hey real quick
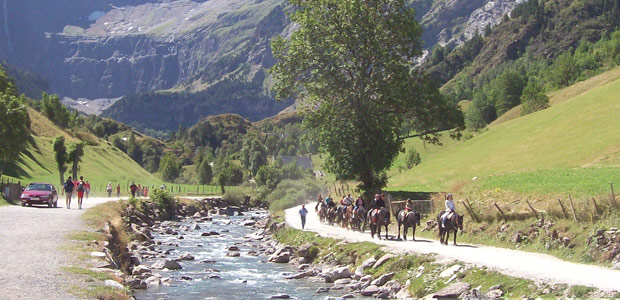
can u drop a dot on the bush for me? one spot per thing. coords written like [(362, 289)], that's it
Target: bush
[(163, 200), (233, 197)]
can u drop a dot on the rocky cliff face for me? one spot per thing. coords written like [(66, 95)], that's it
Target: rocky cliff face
[(209, 56)]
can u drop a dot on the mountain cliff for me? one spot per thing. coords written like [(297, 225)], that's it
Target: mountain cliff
[(192, 58)]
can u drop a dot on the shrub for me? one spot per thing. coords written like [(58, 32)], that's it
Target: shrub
[(233, 197), (163, 200)]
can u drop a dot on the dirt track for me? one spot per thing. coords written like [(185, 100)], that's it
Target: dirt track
[(30, 249), (528, 265)]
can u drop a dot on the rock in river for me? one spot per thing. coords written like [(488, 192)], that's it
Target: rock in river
[(167, 264)]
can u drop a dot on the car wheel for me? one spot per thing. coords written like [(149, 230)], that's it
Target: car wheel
[(29, 204), (49, 204), (23, 203)]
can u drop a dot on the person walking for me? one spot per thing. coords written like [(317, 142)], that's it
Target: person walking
[(303, 212), (118, 190), (68, 190), (87, 189), (108, 188), (145, 191), (81, 188), (133, 188)]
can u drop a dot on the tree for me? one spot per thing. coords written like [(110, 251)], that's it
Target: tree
[(54, 110), (534, 97), (134, 150), (413, 158), (60, 153), (205, 172), (76, 151), (169, 167), (506, 90), (355, 58), (14, 129)]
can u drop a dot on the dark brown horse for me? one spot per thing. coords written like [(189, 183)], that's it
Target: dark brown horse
[(323, 213), (347, 214), (378, 219), (407, 219), (454, 223), (359, 219), (332, 214)]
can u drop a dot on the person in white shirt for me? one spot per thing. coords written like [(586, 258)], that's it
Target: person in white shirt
[(449, 209)]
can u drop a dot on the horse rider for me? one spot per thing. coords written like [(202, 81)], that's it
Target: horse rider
[(358, 203), (329, 202), (449, 210), (409, 205), (319, 201), (378, 203)]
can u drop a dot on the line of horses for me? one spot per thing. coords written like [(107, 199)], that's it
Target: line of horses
[(358, 219)]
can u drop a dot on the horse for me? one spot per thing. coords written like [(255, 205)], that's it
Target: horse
[(454, 223), (358, 220), (323, 213), (346, 216), (408, 219), (332, 213), (378, 219)]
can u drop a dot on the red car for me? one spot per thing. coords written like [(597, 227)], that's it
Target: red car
[(40, 193)]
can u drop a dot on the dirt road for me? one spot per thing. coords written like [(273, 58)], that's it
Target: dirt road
[(528, 265), (30, 249)]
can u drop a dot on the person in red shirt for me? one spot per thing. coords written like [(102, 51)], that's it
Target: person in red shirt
[(81, 188), (145, 192), (87, 188)]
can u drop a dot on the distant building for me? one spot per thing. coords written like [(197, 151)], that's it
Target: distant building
[(301, 161)]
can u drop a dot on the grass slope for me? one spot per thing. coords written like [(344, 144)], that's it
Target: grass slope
[(571, 147), (101, 163)]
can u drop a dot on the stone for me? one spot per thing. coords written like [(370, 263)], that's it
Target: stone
[(214, 233), (205, 234), (249, 223), (339, 273), (187, 278), (298, 261), (233, 254), (97, 254), (382, 295), (382, 260), (615, 263), (474, 294), (450, 271), (233, 248), (366, 278), (566, 241), (152, 281), (382, 279), (348, 296), (166, 264), (342, 281), (368, 263), (303, 267), (495, 287), (452, 291), (113, 284), (140, 269), (517, 237), (370, 290), (280, 296), (304, 250), (208, 261), (495, 294), (280, 257), (392, 286), (186, 256), (300, 275), (195, 227), (322, 290)]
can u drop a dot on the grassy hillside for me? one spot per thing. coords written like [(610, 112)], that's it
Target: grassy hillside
[(571, 147), (101, 163)]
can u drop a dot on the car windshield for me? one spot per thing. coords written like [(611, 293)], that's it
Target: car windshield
[(39, 187)]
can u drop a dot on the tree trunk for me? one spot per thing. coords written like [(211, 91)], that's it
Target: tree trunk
[(62, 177), (75, 168)]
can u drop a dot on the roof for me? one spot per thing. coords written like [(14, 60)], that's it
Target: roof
[(301, 161)]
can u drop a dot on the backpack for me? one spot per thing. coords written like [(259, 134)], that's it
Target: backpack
[(80, 187)]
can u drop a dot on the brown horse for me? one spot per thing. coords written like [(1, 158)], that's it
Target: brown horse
[(359, 219), (332, 214), (323, 213), (346, 218), (454, 223), (377, 219), (408, 219)]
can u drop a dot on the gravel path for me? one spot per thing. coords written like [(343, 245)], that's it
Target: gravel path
[(30, 249), (528, 265)]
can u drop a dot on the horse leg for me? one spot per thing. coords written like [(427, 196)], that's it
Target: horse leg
[(386, 231), (398, 238), (455, 231), (413, 233), (404, 232)]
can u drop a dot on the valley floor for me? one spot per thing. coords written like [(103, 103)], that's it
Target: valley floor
[(528, 265)]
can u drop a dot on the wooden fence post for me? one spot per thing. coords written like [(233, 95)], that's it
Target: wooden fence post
[(572, 207), (500, 211), (532, 208), (472, 210), (596, 211), (563, 209)]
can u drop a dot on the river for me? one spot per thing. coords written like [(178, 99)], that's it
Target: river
[(244, 277)]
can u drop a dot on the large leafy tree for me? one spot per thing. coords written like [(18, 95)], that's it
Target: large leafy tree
[(76, 151), (350, 63), (14, 129)]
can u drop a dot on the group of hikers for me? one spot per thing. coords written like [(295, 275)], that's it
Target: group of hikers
[(352, 212), (79, 187)]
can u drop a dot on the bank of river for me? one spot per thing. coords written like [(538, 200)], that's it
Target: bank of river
[(213, 273)]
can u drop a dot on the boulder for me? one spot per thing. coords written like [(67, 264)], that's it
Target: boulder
[(300, 275), (282, 255), (452, 291), (136, 284), (280, 296), (113, 284), (450, 271), (322, 290), (140, 269), (382, 260), (392, 286), (152, 281), (166, 264), (205, 234), (368, 263), (382, 279), (339, 273), (299, 261), (233, 248), (382, 295), (249, 223), (186, 256), (342, 281), (495, 294), (517, 237), (370, 290), (233, 254), (195, 227), (474, 294)]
